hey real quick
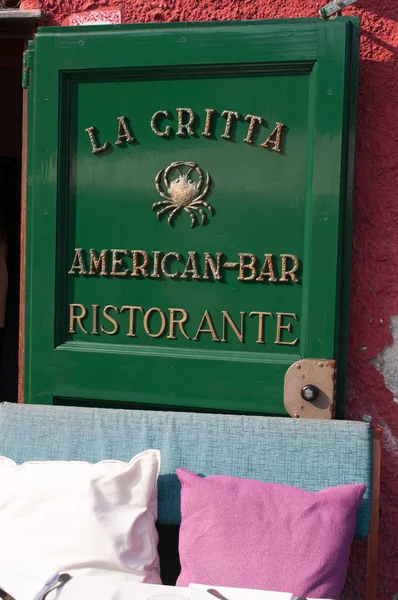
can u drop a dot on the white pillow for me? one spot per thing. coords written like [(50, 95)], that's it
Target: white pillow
[(76, 516)]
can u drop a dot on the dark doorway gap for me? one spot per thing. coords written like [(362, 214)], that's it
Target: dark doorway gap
[(11, 51)]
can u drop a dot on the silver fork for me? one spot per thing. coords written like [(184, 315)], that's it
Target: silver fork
[(62, 579)]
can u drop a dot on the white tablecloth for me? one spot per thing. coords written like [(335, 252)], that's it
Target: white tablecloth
[(89, 589), (111, 586), (86, 590)]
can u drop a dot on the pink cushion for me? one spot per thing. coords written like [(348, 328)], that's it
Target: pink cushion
[(244, 533)]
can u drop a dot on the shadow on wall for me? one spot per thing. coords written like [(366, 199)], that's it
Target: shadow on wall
[(386, 9)]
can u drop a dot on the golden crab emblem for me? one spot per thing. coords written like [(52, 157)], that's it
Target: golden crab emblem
[(181, 191)]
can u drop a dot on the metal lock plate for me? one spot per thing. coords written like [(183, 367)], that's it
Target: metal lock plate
[(314, 373)]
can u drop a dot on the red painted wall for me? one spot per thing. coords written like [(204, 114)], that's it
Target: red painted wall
[(374, 297)]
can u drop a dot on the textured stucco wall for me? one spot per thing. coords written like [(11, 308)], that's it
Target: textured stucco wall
[(373, 364)]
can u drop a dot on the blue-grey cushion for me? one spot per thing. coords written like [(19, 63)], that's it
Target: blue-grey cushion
[(311, 454)]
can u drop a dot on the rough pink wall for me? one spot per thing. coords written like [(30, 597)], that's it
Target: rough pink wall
[(374, 298)]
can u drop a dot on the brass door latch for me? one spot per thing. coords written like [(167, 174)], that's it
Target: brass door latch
[(309, 390)]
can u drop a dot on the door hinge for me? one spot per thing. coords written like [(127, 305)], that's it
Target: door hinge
[(27, 65), (310, 387)]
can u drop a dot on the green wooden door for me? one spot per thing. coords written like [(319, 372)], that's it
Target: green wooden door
[(187, 210)]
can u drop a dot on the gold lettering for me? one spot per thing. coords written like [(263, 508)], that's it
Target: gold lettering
[(119, 262), (98, 261), (227, 318), (191, 268), (184, 128), (206, 319), (77, 318), (110, 319), (274, 138), (251, 266), (147, 317), (179, 322), (78, 263), (253, 121), (231, 265), (93, 135), (288, 328), (95, 308), (261, 315), (154, 126), (156, 264), (124, 133), (208, 129), (214, 268), (268, 269), (228, 114), (140, 269), (291, 273), (165, 258), (132, 310)]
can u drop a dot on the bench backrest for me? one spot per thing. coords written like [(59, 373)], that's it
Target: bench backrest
[(311, 454)]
